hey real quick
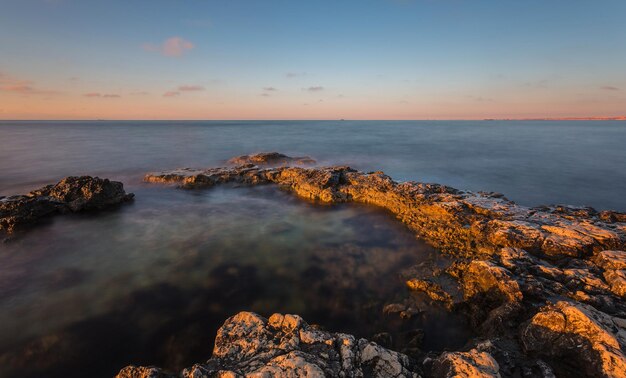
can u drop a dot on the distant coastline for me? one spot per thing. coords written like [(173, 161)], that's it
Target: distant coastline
[(618, 118)]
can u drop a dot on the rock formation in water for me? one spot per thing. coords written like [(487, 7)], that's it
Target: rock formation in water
[(271, 159), (544, 286), (72, 194)]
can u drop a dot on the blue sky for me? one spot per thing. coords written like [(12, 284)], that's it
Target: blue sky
[(383, 59)]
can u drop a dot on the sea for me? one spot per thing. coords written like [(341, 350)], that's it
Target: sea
[(149, 283)]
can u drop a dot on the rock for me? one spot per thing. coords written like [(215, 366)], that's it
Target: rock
[(72, 194), (472, 364), (458, 222), (143, 372), (617, 281), (271, 158), (286, 346), (431, 289), (509, 261), (611, 259), (587, 337), (485, 277)]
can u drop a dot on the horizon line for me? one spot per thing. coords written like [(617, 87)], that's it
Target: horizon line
[(610, 118)]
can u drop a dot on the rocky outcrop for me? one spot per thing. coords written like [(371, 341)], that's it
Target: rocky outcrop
[(472, 364), (271, 159), (590, 338), (72, 194), (286, 346), (458, 222), (558, 273)]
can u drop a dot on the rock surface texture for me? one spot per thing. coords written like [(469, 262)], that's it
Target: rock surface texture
[(286, 346), (544, 287), (72, 194)]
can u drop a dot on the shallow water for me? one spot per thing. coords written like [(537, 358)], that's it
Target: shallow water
[(150, 282)]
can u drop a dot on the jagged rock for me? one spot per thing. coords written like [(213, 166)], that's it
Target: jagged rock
[(472, 364), (611, 259), (271, 158), (486, 277), (459, 222), (593, 340), (143, 372), (431, 289), (286, 346), (509, 261), (72, 194)]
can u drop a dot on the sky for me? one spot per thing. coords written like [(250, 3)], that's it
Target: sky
[(297, 59)]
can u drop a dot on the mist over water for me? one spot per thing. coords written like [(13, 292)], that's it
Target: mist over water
[(150, 282)]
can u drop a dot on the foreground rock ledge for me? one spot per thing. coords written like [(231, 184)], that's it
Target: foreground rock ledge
[(286, 346), (544, 287), (72, 194)]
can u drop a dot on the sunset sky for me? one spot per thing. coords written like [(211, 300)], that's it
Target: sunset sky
[(365, 59)]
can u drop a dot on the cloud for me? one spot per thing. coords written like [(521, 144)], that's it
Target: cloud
[(537, 84), (317, 88), (270, 89), (265, 95), (24, 87), (609, 88), (140, 93), (102, 95), (171, 94), (295, 74), (190, 88), (172, 47), (480, 98)]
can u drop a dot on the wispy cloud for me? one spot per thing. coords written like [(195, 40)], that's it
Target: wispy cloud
[(24, 87), (265, 95), (172, 47), (171, 94), (480, 98), (269, 89), (609, 88), (317, 88), (101, 95), (295, 74), (190, 88)]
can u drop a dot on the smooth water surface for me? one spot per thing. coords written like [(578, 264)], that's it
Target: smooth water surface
[(531, 162)]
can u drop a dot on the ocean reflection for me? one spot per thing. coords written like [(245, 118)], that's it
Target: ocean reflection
[(151, 282)]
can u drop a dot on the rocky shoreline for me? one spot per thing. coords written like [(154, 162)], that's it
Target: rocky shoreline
[(543, 286)]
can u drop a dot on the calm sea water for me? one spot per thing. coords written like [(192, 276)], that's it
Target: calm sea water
[(151, 282)]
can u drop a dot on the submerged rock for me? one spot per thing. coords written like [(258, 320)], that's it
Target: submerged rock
[(72, 194), (286, 346), (556, 272)]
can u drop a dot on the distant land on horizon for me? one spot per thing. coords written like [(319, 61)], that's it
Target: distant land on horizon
[(617, 118)]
